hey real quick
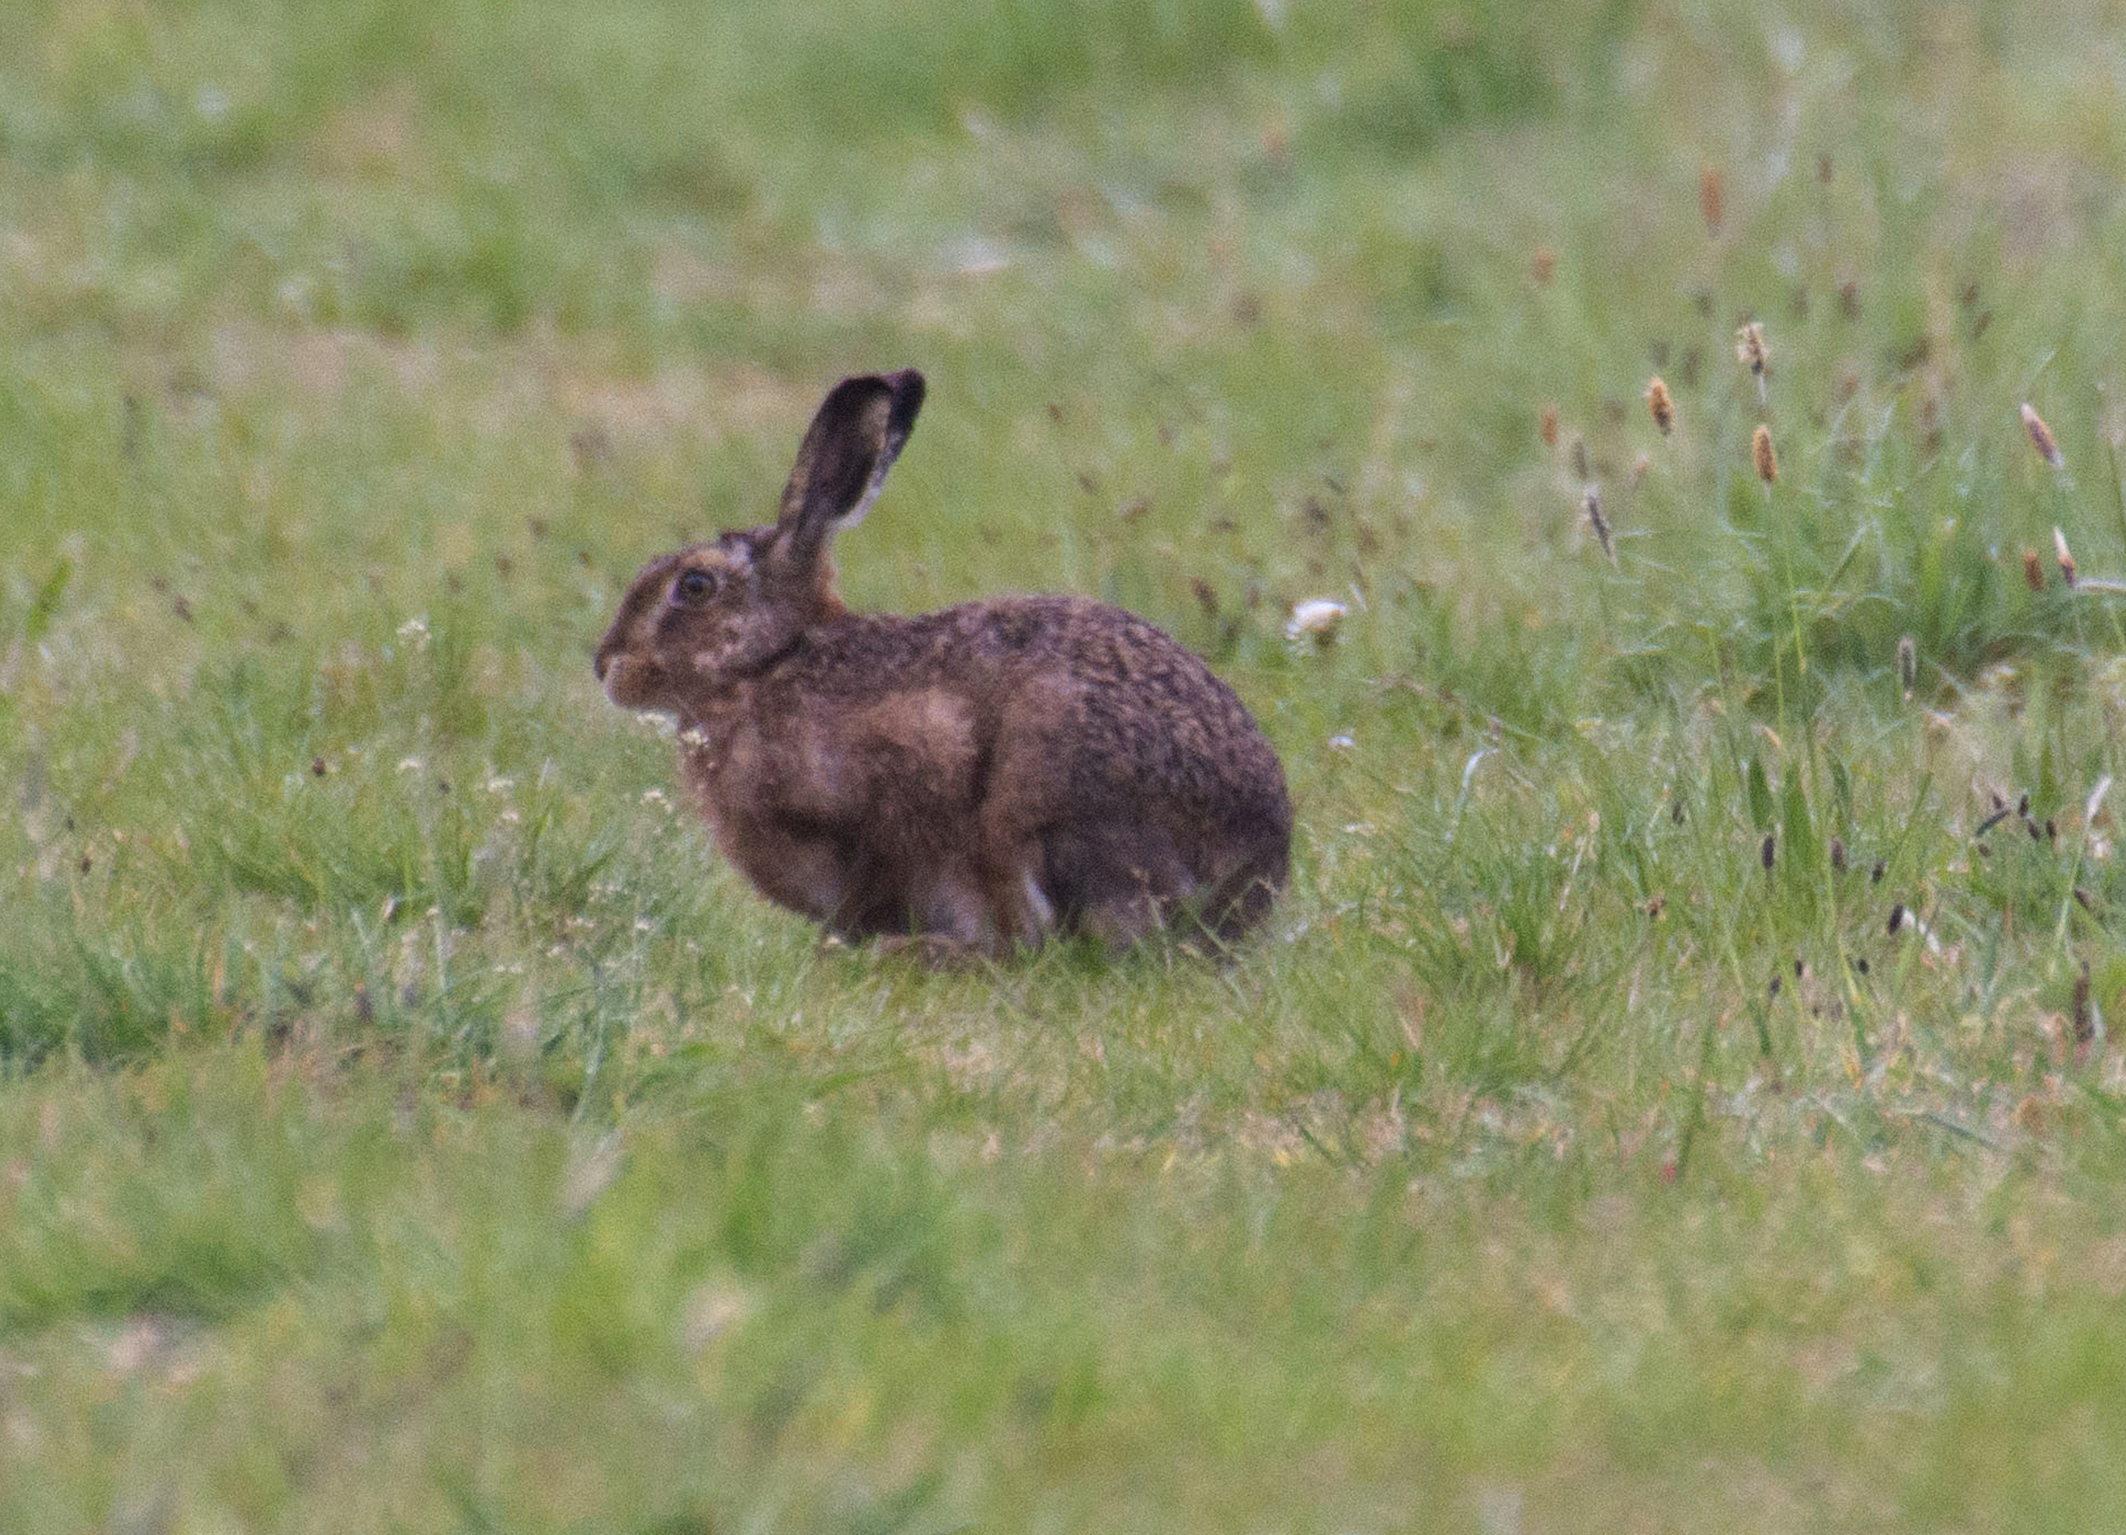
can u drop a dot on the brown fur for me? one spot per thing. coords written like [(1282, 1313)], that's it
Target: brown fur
[(987, 774)]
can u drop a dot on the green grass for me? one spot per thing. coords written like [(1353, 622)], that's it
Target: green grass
[(407, 1124)]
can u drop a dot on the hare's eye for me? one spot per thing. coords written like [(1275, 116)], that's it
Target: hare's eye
[(694, 585)]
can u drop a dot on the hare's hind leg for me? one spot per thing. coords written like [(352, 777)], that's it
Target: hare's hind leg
[(1241, 896), (1116, 883)]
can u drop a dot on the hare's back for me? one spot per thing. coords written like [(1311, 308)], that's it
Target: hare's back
[(1085, 700), (1101, 705)]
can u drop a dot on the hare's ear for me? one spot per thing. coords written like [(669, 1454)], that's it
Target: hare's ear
[(842, 463)]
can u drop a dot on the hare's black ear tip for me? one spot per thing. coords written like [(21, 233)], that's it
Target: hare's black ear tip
[(908, 388)]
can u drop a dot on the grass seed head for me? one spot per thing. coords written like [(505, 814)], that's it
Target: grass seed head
[(1751, 351), (1580, 468), (2033, 571), (1591, 500), (1762, 454), (1662, 407), (2041, 437), (1543, 265), (1768, 854), (2065, 557), (1547, 424), (1907, 664), (1712, 199)]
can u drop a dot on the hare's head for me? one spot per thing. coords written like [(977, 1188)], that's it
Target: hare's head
[(712, 614)]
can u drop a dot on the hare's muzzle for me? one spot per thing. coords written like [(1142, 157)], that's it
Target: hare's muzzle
[(610, 667), (611, 646), (622, 675)]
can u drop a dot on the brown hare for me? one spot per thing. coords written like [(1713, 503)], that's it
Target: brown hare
[(977, 778)]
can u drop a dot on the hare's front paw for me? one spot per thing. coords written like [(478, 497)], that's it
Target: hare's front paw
[(934, 951)]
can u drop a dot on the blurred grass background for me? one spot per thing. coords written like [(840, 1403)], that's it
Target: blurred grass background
[(406, 1123)]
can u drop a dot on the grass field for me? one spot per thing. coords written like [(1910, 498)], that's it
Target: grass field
[(1671, 1095)]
